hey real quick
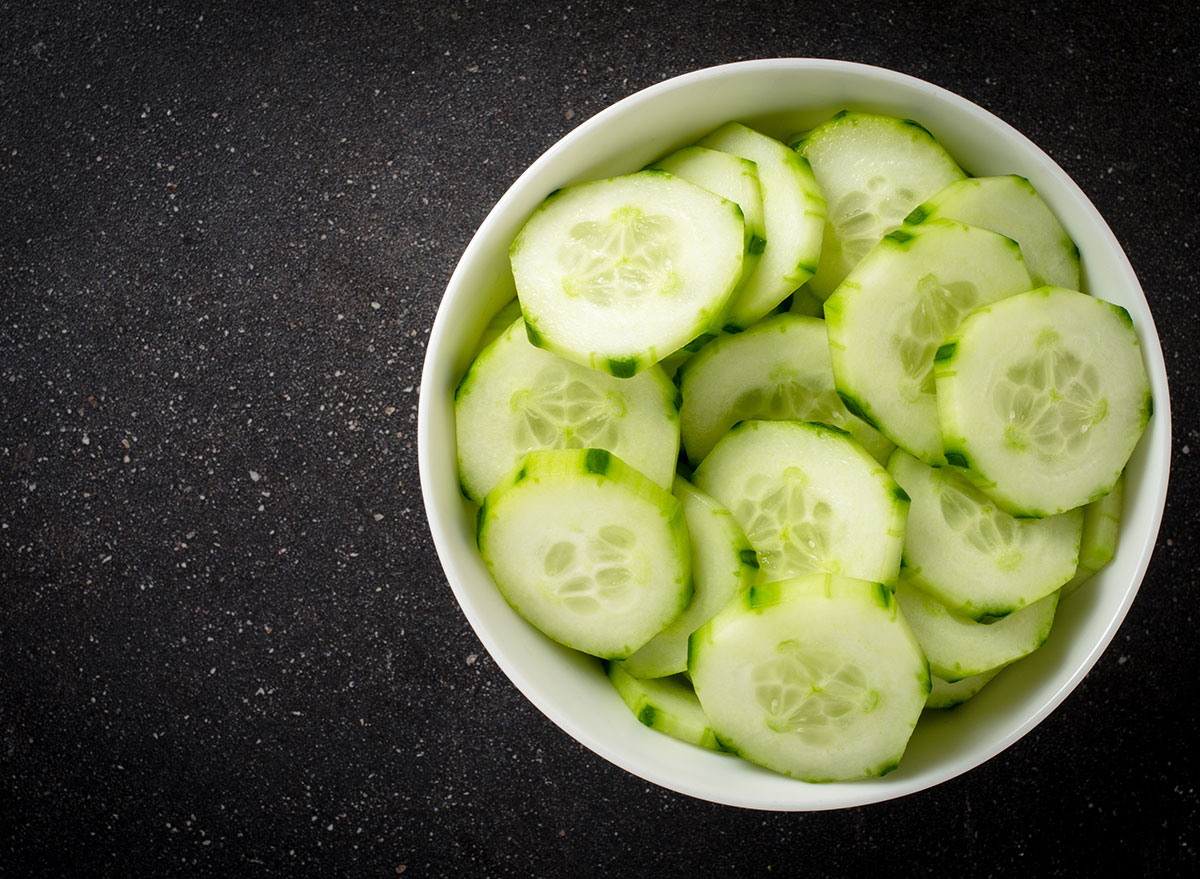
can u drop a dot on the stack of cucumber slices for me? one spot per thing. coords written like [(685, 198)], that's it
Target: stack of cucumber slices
[(800, 440)]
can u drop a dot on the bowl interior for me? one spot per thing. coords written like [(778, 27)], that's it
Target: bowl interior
[(780, 97)]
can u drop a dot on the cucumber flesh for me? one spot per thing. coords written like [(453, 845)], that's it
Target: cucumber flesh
[(947, 694), (889, 316), (516, 398), (723, 566), (873, 170), (668, 705), (980, 561), (778, 370), (618, 273), (587, 550), (1010, 205), (817, 677), (1101, 526), (809, 499), (1042, 398), (794, 215)]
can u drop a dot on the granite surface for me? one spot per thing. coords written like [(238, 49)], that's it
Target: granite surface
[(226, 644)]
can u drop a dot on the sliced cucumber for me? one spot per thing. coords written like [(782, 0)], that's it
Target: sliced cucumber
[(958, 647), (723, 565), (873, 170), (516, 398), (809, 499), (732, 178), (946, 694), (616, 274), (1011, 206), (1101, 525), (889, 316), (778, 370), (817, 677), (668, 705), (1042, 398), (794, 214), (975, 558), (587, 550)]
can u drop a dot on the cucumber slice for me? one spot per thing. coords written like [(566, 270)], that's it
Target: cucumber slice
[(668, 705), (1042, 398), (1101, 525), (1011, 206), (817, 677), (887, 319), (946, 694), (723, 565), (974, 557), (794, 214), (809, 499), (778, 370), (873, 170), (587, 550), (516, 398), (735, 179), (958, 647), (616, 274)]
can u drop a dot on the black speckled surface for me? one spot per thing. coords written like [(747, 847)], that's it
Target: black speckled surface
[(226, 645)]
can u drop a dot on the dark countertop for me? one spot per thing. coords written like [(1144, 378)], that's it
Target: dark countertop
[(226, 644)]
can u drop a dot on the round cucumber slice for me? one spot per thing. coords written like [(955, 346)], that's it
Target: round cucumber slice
[(809, 499), (618, 273), (517, 398), (1042, 398), (817, 677), (587, 549), (668, 705), (947, 694)]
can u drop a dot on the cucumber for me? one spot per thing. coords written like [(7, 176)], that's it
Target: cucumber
[(873, 170), (587, 550), (516, 398), (723, 565), (972, 556), (1042, 398), (668, 705), (958, 647), (809, 499), (794, 215), (1010, 205), (816, 677), (732, 178), (618, 273), (1101, 525), (778, 370), (889, 316), (946, 694)]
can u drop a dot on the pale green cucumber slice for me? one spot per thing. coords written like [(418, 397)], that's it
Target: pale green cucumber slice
[(1101, 525), (501, 321), (973, 556), (873, 170), (516, 398), (723, 565), (947, 694), (794, 215), (809, 499), (618, 273), (817, 677), (587, 550), (958, 647), (777, 370), (668, 705), (732, 178), (1010, 205), (1042, 398), (887, 319)]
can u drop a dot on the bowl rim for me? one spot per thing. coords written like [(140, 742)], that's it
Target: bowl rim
[(442, 512)]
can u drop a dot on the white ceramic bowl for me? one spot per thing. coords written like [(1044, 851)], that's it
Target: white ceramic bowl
[(781, 97)]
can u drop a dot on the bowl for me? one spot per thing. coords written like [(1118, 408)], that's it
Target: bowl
[(779, 97)]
